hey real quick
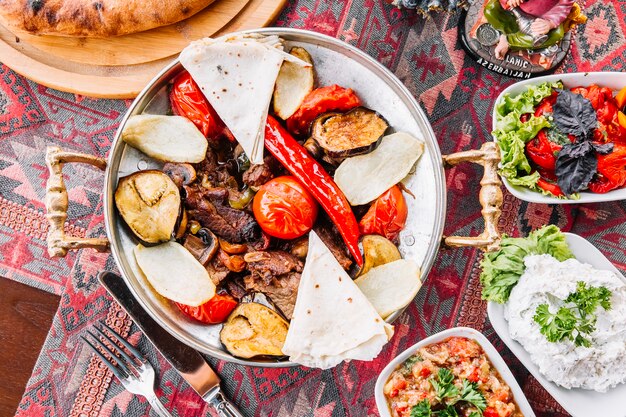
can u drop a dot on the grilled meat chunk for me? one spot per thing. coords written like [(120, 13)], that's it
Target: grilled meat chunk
[(209, 206), (270, 264), (333, 241), (282, 290)]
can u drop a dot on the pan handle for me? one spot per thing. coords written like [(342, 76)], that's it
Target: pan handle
[(57, 203), (490, 196)]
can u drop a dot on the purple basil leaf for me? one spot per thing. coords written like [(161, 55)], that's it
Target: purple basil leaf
[(574, 114), (576, 165), (604, 149)]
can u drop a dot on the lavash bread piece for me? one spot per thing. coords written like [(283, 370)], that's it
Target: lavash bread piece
[(94, 18), (237, 75), (332, 320)]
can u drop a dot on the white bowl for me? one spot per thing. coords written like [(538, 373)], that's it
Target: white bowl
[(613, 80), (491, 352), (578, 402)]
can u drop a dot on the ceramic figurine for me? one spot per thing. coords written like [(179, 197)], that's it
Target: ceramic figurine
[(520, 38)]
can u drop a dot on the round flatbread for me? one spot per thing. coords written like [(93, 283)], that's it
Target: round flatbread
[(94, 18)]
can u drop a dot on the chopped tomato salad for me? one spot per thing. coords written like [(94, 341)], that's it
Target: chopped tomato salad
[(453, 377)]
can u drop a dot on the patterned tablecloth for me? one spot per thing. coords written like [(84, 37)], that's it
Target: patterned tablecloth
[(457, 96)]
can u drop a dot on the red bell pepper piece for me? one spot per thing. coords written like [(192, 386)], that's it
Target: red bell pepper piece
[(611, 170), (188, 100), (541, 151), (320, 101), (312, 175), (550, 187)]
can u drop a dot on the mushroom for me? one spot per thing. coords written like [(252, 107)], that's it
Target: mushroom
[(181, 174), (202, 246)]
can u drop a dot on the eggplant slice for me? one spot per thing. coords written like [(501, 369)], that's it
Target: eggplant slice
[(341, 135), (149, 203), (253, 329)]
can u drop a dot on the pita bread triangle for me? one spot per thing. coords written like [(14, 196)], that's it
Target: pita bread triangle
[(237, 76), (332, 320)]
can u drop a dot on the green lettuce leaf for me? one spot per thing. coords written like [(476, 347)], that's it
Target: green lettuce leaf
[(511, 134), (501, 270)]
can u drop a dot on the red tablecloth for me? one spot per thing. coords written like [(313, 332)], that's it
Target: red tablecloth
[(457, 96)]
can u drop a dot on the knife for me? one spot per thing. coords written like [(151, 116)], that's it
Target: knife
[(186, 360)]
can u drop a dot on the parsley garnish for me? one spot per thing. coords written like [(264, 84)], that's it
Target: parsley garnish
[(446, 390), (471, 394), (576, 319), (422, 409), (407, 366)]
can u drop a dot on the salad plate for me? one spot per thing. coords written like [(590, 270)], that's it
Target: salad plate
[(577, 402), (613, 80), (464, 332)]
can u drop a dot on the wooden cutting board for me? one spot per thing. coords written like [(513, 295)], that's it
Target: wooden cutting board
[(120, 67)]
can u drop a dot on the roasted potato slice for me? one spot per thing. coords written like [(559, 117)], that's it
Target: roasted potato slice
[(166, 138), (175, 274), (391, 286), (377, 250), (294, 82), (149, 203), (253, 330)]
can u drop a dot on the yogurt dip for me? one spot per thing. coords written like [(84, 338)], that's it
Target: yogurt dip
[(546, 280)]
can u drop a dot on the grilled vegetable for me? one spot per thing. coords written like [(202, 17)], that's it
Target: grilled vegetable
[(187, 100), (353, 133), (316, 180), (387, 215), (293, 84), (391, 286), (149, 202), (377, 251), (214, 311), (364, 178), (166, 138), (319, 101), (253, 330), (175, 274), (284, 208)]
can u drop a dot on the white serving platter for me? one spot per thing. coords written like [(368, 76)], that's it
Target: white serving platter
[(577, 402), (613, 80), (491, 352)]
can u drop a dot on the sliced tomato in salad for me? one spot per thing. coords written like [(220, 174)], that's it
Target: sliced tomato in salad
[(284, 208), (214, 311), (542, 152), (611, 171), (386, 216)]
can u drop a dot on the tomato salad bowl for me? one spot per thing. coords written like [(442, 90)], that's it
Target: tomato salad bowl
[(336, 63), (602, 170)]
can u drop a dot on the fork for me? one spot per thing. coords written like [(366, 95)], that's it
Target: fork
[(136, 374)]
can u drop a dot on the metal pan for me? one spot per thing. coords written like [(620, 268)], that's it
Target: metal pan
[(335, 63)]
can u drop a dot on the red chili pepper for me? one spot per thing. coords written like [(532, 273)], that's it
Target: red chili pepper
[(550, 187), (425, 372), (188, 100), (312, 175), (541, 151), (319, 101)]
